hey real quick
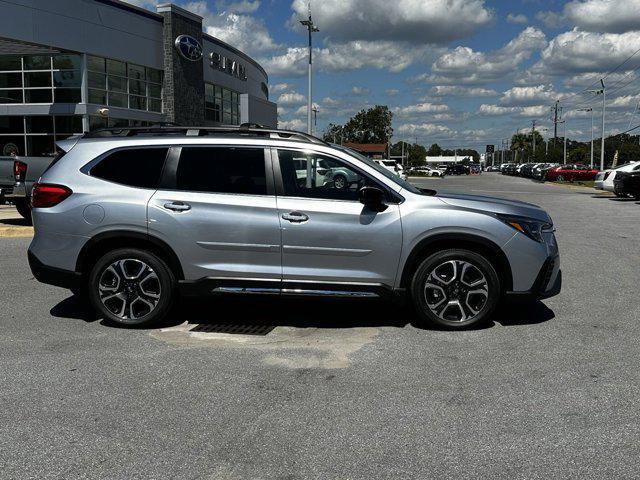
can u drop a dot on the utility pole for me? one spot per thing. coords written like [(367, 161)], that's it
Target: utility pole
[(564, 134), (590, 110), (533, 136), (604, 103), (311, 28), (555, 122)]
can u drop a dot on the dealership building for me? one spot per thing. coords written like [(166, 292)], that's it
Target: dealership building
[(71, 66)]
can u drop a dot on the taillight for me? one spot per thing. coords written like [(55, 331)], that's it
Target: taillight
[(606, 175), (45, 195), (19, 171)]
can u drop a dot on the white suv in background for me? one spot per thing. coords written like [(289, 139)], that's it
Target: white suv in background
[(604, 180), (393, 167)]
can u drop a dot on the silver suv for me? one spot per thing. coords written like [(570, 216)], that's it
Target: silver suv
[(133, 218)]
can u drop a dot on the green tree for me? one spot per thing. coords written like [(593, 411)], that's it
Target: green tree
[(417, 155), (434, 150), (333, 133)]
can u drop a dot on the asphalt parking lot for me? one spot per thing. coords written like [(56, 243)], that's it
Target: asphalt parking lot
[(337, 389)]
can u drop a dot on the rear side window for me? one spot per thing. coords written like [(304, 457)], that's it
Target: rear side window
[(222, 170), (137, 167)]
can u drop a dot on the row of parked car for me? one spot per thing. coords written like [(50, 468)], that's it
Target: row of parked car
[(550, 172), (624, 181)]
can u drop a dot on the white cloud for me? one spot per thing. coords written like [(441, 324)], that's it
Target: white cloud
[(291, 98), (459, 91), (580, 52), (360, 90), (302, 109), (424, 129), (464, 65), (294, 124), (241, 6), (392, 92), (344, 57), (280, 87), (421, 108), (609, 16), (244, 32), (533, 111), (527, 96), (517, 18), (415, 21)]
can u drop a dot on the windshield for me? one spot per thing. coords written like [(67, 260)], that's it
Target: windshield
[(380, 169)]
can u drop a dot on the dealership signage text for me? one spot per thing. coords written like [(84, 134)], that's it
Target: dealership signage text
[(224, 64)]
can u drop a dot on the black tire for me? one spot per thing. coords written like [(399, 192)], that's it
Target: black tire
[(23, 206), (340, 180), (439, 262), (621, 195), (163, 285), (560, 178)]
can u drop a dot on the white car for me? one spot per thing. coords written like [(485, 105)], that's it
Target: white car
[(604, 180), (429, 171), (393, 167)]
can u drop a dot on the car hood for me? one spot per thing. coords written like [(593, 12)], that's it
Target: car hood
[(495, 205)]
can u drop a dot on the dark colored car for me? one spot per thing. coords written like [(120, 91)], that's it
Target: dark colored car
[(457, 170), (510, 169), (627, 183), (570, 173)]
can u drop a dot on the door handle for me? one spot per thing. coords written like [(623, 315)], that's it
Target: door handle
[(295, 217), (177, 206)]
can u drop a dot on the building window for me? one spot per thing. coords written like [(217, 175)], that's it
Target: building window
[(34, 135), (125, 85), (97, 121), (40, 78), (222, 105)]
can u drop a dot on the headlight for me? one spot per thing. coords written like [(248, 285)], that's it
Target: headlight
[(528, 226)]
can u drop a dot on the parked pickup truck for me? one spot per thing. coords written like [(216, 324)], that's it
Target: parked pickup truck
[(17, 176)]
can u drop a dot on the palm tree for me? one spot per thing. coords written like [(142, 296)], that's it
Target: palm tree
[(519, 142)]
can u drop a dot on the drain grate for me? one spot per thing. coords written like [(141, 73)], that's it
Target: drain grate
[(234, 328)]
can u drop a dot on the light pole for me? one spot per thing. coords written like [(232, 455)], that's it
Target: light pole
[(311, 28), (590, 110)]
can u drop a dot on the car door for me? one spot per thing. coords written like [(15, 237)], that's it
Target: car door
[(217, 209), (328, 236)]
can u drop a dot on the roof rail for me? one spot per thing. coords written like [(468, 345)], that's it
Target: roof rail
[(244, 130)]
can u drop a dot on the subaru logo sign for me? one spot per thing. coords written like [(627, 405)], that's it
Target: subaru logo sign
[(189, 47)]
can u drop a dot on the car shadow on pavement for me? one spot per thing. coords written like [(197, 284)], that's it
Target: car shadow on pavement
[(515, 313), (16, 222), (236, 313)]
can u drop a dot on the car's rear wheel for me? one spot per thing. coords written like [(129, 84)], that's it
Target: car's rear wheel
[(340, 182), (560, 178), (132, 287), (455, 289)]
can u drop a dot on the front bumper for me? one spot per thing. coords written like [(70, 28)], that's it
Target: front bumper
[(52, 275), (548, 282)]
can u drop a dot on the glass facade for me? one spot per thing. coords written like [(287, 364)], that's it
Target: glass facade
[(35, 135), (125, 85), (96, 121), (222, 105), (40, 78)]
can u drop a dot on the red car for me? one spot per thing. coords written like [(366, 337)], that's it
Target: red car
[(569, 173)]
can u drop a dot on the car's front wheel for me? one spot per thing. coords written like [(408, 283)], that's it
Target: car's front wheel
[(455, 289), (131, 287)]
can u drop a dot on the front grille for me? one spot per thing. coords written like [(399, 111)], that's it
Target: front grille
[(234, 328)]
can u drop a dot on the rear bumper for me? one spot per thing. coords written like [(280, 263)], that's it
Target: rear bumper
[(19, 190), (52, 275), (548, 283)]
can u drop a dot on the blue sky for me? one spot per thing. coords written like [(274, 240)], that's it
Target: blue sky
[(461, 73)]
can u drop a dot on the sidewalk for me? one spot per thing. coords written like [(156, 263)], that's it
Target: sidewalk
[(12, 224)]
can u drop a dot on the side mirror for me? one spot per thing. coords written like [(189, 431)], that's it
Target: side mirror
[(373, 198)]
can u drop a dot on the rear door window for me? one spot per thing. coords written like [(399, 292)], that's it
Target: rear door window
[(237, 170), (135, 167)]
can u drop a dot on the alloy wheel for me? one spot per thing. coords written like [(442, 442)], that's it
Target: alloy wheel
[(456, 291), (129, 288), (340, 182)]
